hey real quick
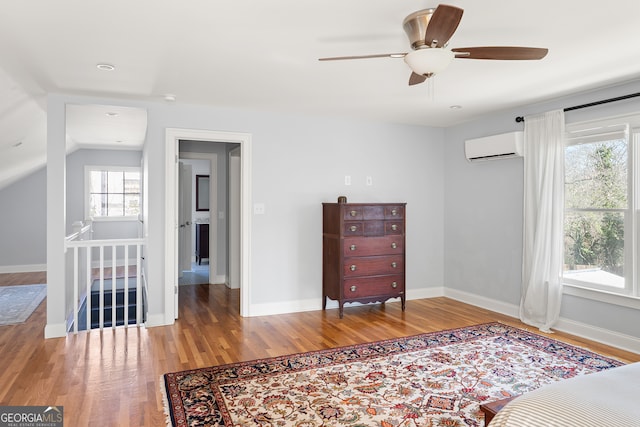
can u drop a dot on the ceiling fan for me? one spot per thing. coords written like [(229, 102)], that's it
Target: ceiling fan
[(429, 31)]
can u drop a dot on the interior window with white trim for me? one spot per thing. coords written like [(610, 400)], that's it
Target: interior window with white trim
[(601, 202), (112, 192)]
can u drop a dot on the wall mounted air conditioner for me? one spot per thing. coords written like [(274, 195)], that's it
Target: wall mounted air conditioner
[(494, 147)]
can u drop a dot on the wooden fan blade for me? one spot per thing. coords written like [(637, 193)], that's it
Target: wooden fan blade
[(380, 55), (442, 25), (416, 79), (500, 52)]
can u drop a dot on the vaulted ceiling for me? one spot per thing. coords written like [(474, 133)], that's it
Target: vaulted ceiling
[(263, 55)]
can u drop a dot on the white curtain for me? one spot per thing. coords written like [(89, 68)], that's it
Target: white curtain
[(543, 219)]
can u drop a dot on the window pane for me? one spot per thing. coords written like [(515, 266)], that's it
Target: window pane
[(116, 182), (131, 204), (594, 247), (596, 175), (116, 204), (97, 205), (97, 182), (132, 182)]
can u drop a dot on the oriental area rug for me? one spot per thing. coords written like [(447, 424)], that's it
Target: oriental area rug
[(436, 379)]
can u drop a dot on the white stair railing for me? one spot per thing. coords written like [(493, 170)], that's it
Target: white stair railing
[(83, 267)]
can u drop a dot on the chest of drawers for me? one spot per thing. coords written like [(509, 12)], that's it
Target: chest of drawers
[(363, 252)]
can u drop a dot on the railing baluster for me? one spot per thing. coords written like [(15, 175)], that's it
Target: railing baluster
[(101, 297), (138, 287), (114, 281), (88, 301), (126, 286), (76, 285)]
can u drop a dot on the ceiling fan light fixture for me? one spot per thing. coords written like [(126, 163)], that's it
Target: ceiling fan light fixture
[(428, 61)]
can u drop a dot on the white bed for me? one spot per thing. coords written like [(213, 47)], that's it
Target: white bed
[(606, 398)]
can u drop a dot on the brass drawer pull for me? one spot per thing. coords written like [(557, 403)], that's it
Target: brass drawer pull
[(353, 228), (394, 227), (394, 212), (352, 247), (394, 245), (353, 288), (394, 264), (353, 267), (353, 213), (394, 285)]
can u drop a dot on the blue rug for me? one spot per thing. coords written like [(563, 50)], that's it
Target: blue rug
[(18, 302)]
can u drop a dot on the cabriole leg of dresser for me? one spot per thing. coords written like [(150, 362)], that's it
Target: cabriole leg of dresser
[(404, 301), (341, 308)]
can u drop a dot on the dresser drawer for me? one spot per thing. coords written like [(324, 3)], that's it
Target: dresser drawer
[(393, 227), (351, 213), (353, 228), (366, 246), (370, 266), (372, 286), (394, 212)]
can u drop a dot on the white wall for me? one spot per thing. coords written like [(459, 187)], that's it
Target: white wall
[(483, 221), (23, 224)]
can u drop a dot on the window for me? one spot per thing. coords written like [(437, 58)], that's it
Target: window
[(601, 200), (112, 192)]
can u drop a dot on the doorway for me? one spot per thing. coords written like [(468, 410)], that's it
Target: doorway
[(198, 215), (172, 140)]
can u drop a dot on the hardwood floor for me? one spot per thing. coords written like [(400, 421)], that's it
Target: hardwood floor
[(113, 377)]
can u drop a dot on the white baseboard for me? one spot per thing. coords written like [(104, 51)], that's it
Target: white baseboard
[(483, 302), (29, 268), (156, 320), (57, 330), (269, 309), (604, 336)]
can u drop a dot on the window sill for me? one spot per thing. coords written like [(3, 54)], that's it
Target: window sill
[(602, 296)]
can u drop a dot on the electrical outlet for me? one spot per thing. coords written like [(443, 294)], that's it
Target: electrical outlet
[(258, 208), (369, 180)]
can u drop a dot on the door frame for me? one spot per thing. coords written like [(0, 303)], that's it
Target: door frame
[(172, 138)]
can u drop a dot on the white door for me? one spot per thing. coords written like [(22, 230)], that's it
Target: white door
[(185, 245)]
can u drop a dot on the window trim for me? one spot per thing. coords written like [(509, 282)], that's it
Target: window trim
[(87, 171)]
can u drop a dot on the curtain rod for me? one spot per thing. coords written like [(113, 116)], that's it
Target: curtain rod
[(591, 104)]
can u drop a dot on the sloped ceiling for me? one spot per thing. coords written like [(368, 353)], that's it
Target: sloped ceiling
[(263, 56)]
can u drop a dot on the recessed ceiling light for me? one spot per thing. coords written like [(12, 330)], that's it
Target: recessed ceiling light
[(170, 97), (456, 107), (111, 113), (17, 144), (105, 67)]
